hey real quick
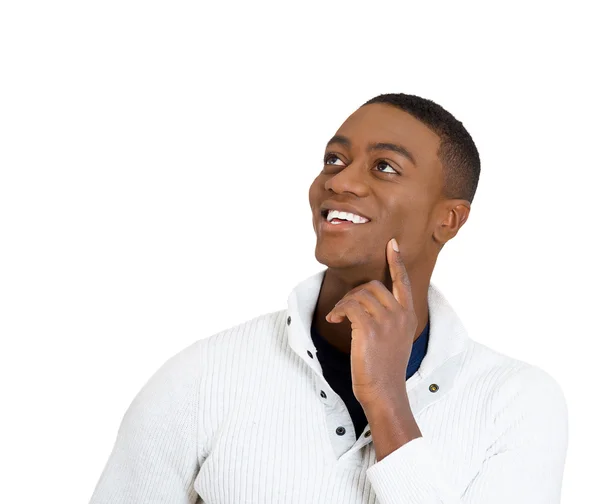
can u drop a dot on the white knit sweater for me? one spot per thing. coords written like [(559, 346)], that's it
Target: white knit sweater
[(238, 417)]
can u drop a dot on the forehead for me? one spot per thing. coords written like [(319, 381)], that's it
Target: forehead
[(379, 122)]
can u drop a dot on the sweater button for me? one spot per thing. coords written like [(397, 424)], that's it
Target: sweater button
[(323, 395), (309, 354), (289, 320), (340, 431), (433, 387)]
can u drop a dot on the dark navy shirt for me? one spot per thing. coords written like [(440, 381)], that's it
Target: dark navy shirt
[(337, 372)]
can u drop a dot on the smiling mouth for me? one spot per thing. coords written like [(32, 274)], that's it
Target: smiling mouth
[(338, 222)]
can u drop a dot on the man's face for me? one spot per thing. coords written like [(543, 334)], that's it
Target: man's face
[(383, 163)]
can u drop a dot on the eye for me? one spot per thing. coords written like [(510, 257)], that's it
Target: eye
[(385, 163), (332, 157)]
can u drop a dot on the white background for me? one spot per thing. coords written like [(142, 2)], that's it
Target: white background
[(155, 163)]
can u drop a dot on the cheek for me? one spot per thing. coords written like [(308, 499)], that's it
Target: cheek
[(415, 233), (408, 221), (314, 192)]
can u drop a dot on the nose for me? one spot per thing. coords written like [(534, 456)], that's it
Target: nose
[(350, 179)]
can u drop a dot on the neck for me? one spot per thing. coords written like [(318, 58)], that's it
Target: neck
[(337, 282)]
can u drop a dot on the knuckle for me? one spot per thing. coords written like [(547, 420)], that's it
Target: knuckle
[(365, 293)]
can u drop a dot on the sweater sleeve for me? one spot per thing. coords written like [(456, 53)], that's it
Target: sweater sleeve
[(523, 465), (154, 459)]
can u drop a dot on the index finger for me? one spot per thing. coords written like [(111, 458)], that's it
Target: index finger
[(401, 288)]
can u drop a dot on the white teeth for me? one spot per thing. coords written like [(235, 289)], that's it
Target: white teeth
[(356, 219)]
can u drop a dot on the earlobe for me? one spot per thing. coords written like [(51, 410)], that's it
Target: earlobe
[(444, 232)]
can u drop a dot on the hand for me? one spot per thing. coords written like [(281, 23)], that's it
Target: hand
[(383, 329)]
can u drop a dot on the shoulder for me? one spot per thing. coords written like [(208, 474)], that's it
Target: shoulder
[(176, 379), (514, 383), (259, 329), (486, 360), (179, 378), (524, 404), (232, 348)]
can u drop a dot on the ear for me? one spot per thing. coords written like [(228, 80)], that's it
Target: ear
[(452, 217)]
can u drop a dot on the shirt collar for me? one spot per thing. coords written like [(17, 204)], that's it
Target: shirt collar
[(447, 334)]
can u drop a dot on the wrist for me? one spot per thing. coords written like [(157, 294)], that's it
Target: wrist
[(397, 404)]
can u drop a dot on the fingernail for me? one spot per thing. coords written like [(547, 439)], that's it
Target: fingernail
[(395, 245)]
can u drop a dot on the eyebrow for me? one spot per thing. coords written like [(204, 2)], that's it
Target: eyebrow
[(403, 151)]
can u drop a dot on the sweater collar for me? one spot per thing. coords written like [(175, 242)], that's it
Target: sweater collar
[(447, 335)]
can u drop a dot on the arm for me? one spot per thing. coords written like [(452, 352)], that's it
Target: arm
[(154, 459), (523, 465)]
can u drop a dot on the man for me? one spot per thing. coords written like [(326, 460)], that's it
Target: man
[(367, 388)]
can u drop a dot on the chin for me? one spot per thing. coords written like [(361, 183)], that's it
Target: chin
[(336, 258)]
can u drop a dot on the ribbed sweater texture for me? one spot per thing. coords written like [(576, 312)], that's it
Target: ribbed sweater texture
[(238, 417)]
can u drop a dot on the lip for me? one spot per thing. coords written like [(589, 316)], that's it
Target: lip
[(342, 207), (326, 226)]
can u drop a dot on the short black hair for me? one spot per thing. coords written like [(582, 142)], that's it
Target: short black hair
[(457, 152)]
